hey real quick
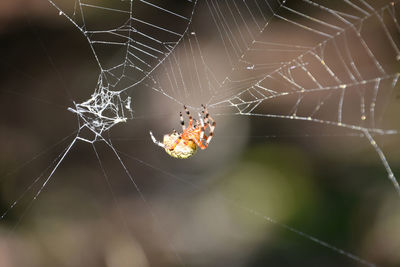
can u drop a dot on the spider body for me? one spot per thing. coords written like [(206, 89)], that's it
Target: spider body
[(183, 150), (184, 145)]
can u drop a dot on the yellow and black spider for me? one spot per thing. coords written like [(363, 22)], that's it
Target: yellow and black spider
[(184, 145)]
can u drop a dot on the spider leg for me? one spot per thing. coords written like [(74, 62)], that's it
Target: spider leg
[(202, 128), (211, 122), (182, 121), (204, 114), (190, 117), (212, 127), (192, 137), (175, 143), (196, 140), (155, 141)]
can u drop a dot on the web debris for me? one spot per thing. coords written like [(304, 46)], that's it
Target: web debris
[(139, 40)]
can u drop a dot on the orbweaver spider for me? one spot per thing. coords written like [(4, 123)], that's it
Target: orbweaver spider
[(184, 145)]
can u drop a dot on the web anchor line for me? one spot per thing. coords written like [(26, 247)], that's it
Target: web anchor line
[(384, 161), (36, 180)]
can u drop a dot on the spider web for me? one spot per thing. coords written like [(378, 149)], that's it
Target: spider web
[(326, 70), (340, 66), (141, 44)]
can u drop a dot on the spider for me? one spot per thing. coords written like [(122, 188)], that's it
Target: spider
[(184, 145)]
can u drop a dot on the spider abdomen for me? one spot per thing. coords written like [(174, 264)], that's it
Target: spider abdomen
[(183, 150), (184, 145)]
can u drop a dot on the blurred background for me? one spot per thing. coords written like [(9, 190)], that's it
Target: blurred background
[(214, 209)]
